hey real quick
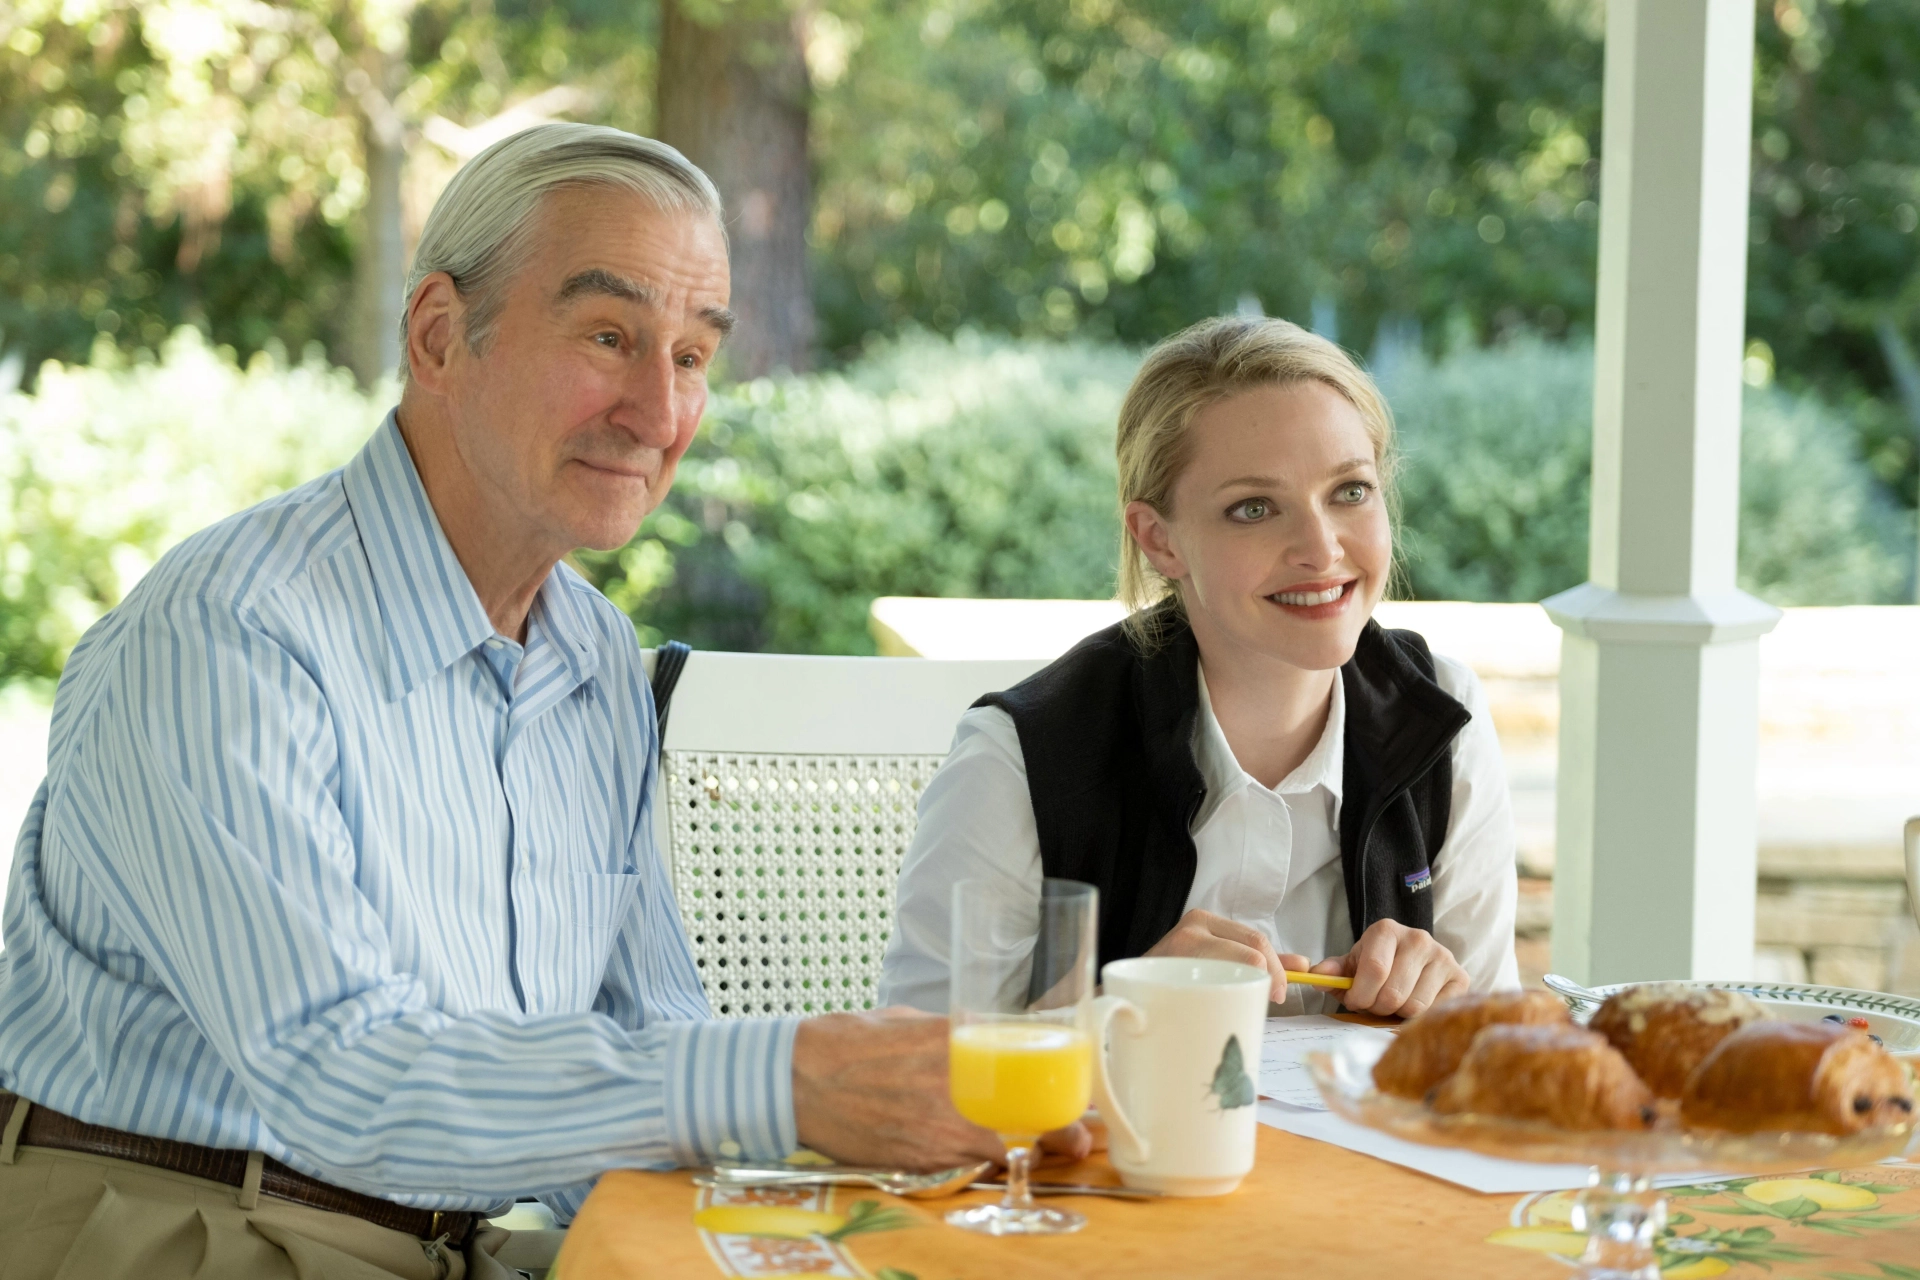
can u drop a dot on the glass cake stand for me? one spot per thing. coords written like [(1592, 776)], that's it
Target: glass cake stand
[(1621, 1211)]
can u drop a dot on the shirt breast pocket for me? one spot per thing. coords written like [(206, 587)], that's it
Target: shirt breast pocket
[(602, 906)]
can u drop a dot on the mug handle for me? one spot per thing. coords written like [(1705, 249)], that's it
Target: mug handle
[(1120, 1131)]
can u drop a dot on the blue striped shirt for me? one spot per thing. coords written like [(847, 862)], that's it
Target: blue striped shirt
[(324, 867)]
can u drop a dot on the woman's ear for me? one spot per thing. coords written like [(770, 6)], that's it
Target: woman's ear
[(1154, 537)]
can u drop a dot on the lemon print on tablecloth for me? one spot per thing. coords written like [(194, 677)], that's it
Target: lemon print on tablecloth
[(1828, 1195), (768, 1220), (1564, 1241), (1745, 1226), (1567, 1243)]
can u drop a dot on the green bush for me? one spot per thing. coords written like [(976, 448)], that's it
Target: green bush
[(1494, 491), (984, 467), (105, 466), (973, 467), (1493, 486)]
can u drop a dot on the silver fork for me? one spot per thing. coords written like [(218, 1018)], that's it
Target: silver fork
[(913, 1186)]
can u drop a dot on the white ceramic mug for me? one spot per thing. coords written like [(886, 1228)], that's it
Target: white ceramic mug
[(1178, 1083)]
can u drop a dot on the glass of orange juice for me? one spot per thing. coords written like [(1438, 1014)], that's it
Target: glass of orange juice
[(1020, 1060)]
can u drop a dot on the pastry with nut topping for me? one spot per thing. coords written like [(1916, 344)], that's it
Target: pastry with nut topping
[(1666, 1029)]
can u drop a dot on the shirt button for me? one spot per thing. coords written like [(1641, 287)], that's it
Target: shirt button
[(730, 1149)]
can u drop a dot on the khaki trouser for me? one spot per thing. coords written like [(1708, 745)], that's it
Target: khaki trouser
[(69, 1216)]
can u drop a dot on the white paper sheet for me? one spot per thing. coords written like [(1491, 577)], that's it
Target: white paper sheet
[(1466, 1169), (1283, 1076), (1462, 1168)]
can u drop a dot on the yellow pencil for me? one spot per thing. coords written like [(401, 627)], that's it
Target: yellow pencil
[(1319, 980)]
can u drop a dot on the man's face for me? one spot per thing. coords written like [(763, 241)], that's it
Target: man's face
[(573, 418)]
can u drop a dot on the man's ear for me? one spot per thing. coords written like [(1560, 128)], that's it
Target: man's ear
[(435, 314), (1151, 534)]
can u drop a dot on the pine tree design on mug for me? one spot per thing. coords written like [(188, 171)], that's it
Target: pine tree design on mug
[(1231, 1086)]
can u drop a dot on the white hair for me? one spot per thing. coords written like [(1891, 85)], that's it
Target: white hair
[(479, 227)]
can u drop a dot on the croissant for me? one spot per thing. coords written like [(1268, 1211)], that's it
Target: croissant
[(1561, 1075), (1665, 1029), (1814, 1076), (1430, 1046)]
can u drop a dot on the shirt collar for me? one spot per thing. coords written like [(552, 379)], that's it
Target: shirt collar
[(562, 609), (433, 615), (1223, 775)]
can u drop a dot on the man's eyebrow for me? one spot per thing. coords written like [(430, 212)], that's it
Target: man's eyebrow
[(601, 281)]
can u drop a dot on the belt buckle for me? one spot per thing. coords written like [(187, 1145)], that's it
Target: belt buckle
[(443, 1226)]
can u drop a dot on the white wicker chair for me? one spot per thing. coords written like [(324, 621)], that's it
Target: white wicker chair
[(789, 791)]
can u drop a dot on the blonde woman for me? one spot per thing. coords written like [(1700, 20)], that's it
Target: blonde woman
[(1249, 767)]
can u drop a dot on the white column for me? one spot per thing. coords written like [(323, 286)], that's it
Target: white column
[(1659, 673)]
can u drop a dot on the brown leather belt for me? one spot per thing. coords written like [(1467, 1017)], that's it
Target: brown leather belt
[(50, 1129)]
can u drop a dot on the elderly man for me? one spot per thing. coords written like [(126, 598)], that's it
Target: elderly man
[(338, 918)]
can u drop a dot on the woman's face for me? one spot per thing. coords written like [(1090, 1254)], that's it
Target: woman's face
[(1277, 534)]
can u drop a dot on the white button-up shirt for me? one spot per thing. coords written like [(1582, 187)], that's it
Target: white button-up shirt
[(1266, 857)]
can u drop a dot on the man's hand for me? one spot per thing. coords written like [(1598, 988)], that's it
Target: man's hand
[(1206, 936), (871, 1089), (1397, 970)]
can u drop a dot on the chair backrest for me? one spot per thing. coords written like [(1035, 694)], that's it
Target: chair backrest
[(790, 787)]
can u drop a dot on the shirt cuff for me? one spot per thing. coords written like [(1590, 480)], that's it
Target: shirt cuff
[(730, 1089)]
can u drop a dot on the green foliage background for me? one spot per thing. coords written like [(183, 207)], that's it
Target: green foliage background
[(105, 466), (1105, 168), (1012, 196), (970, 466)]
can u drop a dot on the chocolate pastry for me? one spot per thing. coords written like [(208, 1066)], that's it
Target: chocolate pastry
[(1560, 1075), (1430, 1046), (1810, 1076), (1665, 1029)]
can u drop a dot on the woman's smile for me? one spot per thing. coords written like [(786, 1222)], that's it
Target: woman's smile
[(1312, 601)]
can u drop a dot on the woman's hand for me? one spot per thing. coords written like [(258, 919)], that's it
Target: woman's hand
[(1205, 936), (1397, 970)]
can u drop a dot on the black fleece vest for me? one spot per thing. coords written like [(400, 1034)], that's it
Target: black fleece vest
[(1107, 734)]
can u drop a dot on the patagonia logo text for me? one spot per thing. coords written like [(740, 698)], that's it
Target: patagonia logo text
[(1421, 879)]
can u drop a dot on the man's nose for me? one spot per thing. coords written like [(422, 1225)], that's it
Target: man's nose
[(649, 401)]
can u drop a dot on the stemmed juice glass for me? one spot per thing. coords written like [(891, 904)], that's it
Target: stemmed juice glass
[(1021, 1058)]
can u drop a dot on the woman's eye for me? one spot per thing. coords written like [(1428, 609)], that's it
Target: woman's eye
[(1250, 510), (1355, 493)]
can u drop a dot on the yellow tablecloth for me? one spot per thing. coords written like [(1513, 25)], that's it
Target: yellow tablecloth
[(1308, 1210)]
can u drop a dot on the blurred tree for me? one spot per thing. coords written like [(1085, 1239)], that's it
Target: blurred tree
[(1834, 269), (1126, 166), (1391, 170), (259, 170), (733, 96)]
